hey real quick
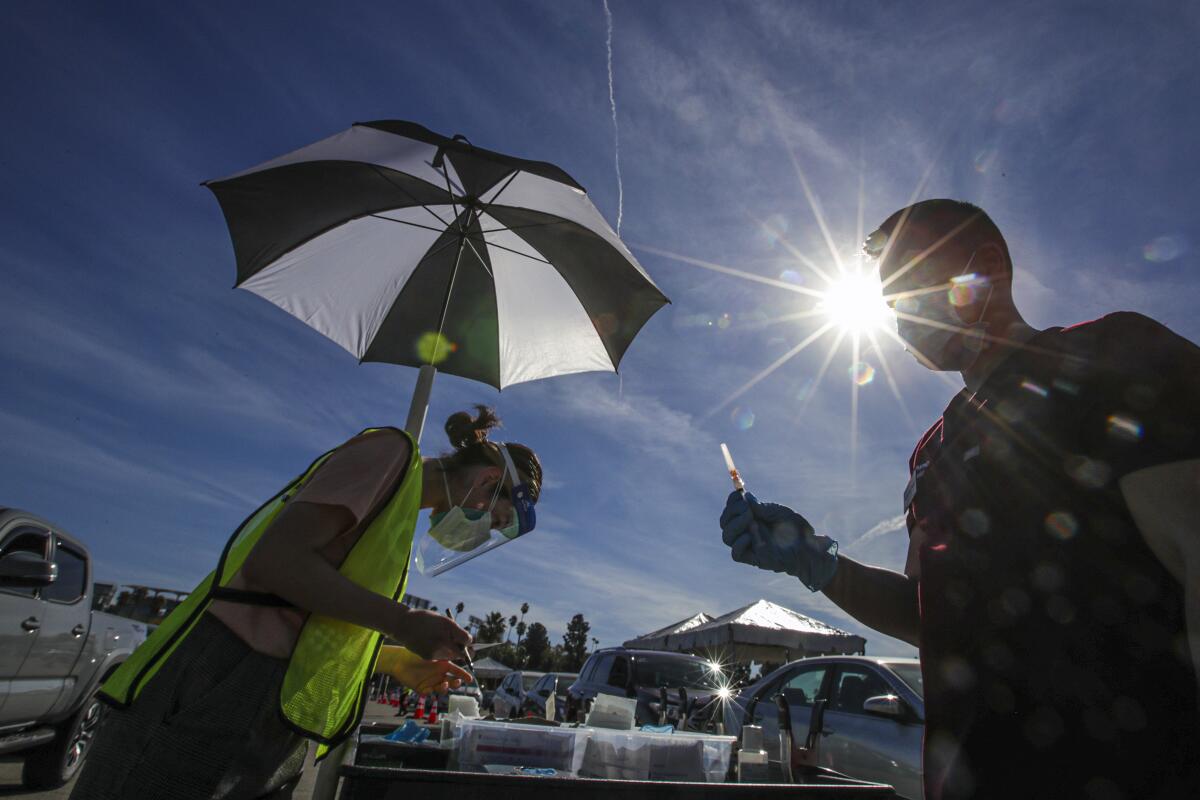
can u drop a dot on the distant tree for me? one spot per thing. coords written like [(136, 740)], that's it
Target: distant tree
[(492, 629), (512, 623), (537, 648), (506, 654), (575, 642), (458, 609), (520, 632), (524, 610), (557, 662)]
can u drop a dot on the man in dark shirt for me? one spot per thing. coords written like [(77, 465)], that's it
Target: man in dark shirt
[(1053, 575)]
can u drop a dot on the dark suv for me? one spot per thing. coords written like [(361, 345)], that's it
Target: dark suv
[(643, 674)]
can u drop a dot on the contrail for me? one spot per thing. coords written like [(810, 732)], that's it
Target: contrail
[(612, 102), (881, 528)]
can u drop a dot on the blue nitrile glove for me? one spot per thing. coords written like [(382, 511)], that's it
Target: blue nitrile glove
[(771, 536)]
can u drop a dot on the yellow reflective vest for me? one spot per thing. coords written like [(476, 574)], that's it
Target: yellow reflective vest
[(324, 689)]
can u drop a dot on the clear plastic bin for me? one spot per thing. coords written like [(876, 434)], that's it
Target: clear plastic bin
[(634, 755), (477, 743)]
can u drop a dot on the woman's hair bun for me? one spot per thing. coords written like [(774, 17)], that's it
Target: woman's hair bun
[(465, 430)]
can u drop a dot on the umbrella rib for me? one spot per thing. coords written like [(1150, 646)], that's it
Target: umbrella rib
[(406, 222), (386, 177), (492, 202), (517, 252), (468, 236), (482, 263), (446, 303), (450, 191), (523, 227)]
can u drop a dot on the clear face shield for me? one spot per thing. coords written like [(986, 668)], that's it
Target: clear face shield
[(461, 534)]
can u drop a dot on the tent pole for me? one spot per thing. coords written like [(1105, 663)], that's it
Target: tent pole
[(420, 401)]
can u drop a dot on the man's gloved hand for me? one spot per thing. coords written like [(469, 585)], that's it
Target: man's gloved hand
[(771, 536)]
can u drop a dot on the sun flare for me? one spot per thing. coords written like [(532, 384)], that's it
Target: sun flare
[(854, 303)]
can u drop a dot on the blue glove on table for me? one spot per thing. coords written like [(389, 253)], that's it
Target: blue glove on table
[(773, 537)]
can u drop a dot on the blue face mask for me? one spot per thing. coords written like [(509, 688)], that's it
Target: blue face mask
[(460, 534), (462, 529)]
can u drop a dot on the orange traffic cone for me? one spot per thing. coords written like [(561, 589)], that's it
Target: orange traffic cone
[(420, 708), (433, 708)]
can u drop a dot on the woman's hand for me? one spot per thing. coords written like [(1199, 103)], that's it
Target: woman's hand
[(429, 635), (423, 676)]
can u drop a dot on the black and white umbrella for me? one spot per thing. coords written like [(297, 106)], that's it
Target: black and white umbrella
[(409, 247)]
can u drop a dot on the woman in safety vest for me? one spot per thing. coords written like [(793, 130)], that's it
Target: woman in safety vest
[(275, 647)]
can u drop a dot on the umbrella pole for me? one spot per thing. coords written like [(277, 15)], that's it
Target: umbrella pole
[(420, 401)]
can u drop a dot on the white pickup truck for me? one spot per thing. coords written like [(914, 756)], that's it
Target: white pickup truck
[(54, 650)]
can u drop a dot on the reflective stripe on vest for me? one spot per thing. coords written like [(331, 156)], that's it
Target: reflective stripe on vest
[(323, 689)]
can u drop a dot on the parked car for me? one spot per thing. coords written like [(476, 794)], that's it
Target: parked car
[(552, 684), (642, 674), (873, 720), (510, 694), (54, 649)]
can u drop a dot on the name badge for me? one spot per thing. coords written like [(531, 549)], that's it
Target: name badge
[(910, 491)]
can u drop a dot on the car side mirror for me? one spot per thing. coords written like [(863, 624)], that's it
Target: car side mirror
[(26, 570), (887, 705)]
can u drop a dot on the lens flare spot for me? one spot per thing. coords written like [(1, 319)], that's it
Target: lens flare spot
[(1089, 473), (1125, 428), (1034, 388), (966, 289), (862, 373), (774, 229), (742, 417), (985, 159), (724, 321), (1165, 248), (805, 390), (1061, 525), (434, 348), (791, 276)]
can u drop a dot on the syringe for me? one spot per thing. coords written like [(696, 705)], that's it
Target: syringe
[(733, 473)]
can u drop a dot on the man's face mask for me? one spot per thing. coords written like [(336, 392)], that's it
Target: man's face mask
[(928, 323), (461, 534)]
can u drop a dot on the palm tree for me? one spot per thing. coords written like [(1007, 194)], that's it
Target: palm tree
[(458, 609), (512, 621)]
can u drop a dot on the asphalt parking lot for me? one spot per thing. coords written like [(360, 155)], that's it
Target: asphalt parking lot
[(10, 769)]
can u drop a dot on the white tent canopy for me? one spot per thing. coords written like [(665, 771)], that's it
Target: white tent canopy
[(762, 632), (490, 668)]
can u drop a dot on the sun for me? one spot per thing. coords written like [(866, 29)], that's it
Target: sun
[(854, 304)]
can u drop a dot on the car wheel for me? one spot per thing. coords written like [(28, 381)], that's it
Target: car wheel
[(53, 764)]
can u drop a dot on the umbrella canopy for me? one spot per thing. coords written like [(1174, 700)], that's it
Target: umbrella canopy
[(762, 632), (409, 247)]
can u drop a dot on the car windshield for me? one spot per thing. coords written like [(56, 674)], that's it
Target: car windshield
[(673, 673), (527, 681), (911, 675)]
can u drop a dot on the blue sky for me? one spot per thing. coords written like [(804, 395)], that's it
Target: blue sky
[(147, 407)]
